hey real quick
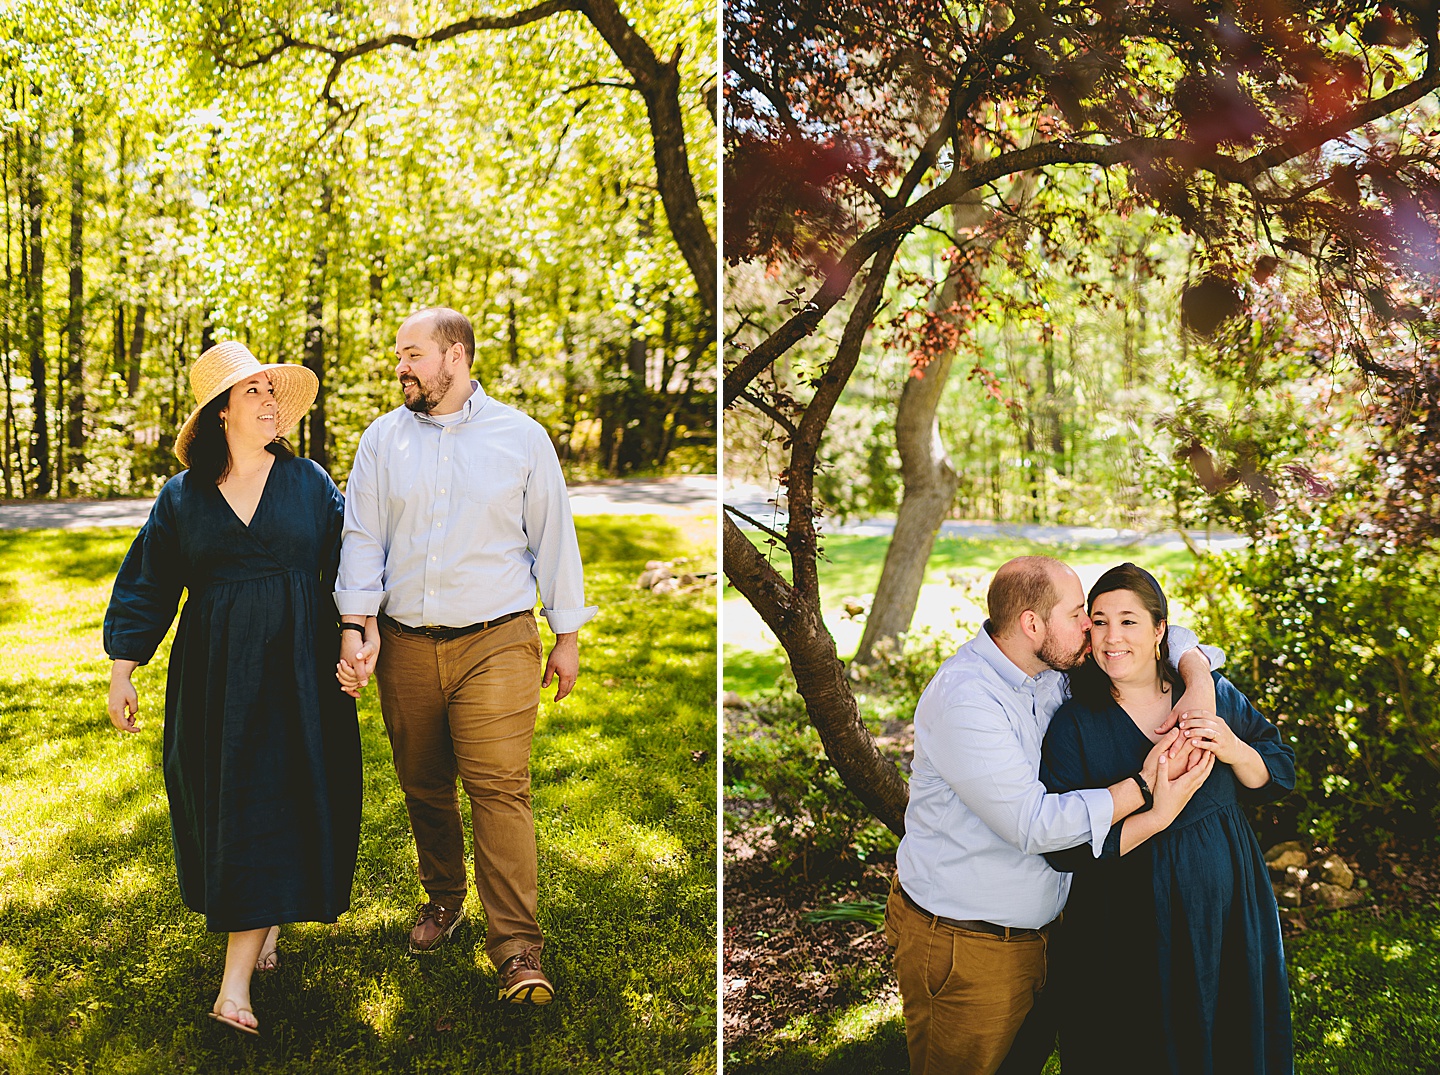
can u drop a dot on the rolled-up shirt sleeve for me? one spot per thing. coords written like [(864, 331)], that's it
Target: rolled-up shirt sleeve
[(550, 536), (360, 584), (977, 753), (1181, 640)]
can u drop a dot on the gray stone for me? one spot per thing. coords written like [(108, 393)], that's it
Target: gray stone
[(1333, 896), (734, 701), (1279, 849), (1334, 871), (1286, 860), (1287, 897)]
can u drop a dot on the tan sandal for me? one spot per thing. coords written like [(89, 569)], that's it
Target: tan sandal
[(269, 957), (231, 1021)]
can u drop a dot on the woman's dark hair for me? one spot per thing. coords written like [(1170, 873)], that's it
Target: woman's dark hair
[(210, 455), (1088, 683)]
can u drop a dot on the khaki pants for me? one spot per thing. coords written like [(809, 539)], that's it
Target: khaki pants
[(965, 995), (467, 706)]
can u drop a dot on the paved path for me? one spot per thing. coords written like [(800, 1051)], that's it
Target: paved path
[(689, 495), (754, 501)]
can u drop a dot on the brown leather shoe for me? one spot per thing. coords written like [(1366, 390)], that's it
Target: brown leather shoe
[(522, 981), (433, 926)]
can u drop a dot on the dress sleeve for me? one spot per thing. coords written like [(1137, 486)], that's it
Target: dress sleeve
[(1248, 723), (1063, 768), (147, 590), (333, 511)]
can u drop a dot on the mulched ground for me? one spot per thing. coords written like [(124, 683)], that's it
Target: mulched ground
[(778, 967)]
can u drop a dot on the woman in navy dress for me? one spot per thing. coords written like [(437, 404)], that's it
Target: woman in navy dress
[(261, 747), (1179, 926)]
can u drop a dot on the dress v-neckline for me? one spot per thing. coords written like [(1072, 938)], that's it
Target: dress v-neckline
[(265, 488)]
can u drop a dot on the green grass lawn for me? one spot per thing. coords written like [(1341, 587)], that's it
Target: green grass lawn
[(102, 969), (851, 567), (1364, 992)]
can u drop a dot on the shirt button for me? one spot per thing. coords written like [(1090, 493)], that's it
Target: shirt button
[(446, 459), (442, 490), (434, 557), (437, 526), (432, 593)]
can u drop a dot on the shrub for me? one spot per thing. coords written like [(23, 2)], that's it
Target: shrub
[(1331, 630), (774, 760)]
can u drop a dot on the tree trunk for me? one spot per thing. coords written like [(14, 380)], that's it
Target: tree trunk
[(659, 86), (75, 326), (137, 349), (930, 481), (35, 319), (637, 409), (315, 330), (793, 611), (10, 446), (820, 677), (927, 474)]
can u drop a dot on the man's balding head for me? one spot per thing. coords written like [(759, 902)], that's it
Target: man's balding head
[(1026, 583), (447, 328)]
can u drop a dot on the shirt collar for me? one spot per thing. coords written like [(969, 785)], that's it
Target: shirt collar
[(469, 409), (1011, 673)]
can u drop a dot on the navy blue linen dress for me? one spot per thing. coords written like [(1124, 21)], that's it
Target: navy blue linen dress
[(261, 747), (1181, 937)]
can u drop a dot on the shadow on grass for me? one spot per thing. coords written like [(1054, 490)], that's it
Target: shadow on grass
[(81, 556), (854, 1039), (103, 969)]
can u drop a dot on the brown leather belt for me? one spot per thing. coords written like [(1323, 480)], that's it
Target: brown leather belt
[(441, 634), (1008, 933)]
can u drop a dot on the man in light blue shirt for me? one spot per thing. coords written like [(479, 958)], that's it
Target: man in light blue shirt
[(973, 900), (455, 516)]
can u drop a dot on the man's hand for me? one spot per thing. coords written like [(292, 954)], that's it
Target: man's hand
[(1199, 694), (357, 657), (564, 664), (123, 703)]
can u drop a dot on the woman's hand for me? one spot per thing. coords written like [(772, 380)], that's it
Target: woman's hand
[(357, 662), (123, 703), (1208, 732), (1148, 771), (1172, 794)]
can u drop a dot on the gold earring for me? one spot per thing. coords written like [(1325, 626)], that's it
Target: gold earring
[(1157, 649), (224, 425)]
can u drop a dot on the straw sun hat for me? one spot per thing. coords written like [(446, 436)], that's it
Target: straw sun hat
[(227, 364)]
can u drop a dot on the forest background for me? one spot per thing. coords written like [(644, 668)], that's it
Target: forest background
[(1168, 268), (301, 177)]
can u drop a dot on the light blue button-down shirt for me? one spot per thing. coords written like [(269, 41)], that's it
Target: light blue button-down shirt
[(979, 819), (449, 524)]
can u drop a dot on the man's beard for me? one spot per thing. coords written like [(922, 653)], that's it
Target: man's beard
[(426, 397), (1056, 658)]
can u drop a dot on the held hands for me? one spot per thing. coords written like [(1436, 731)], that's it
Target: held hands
[(1150, 770), (1199, 692), (1206, 731), (564, 664), (357, 659), (1174, 789), (123, 703)]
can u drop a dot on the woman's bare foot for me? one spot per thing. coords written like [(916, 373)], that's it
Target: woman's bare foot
[(235, 1011), (269, 958)]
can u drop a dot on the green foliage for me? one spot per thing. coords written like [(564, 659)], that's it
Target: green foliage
[(1334, 633), (1364, 999), (507, 173), (103, 970), (775, 762)]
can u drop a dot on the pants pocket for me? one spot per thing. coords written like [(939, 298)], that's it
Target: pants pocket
[(939, 960)]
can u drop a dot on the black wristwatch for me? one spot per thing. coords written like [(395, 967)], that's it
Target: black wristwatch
[(361, 628), (1144, 792)]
